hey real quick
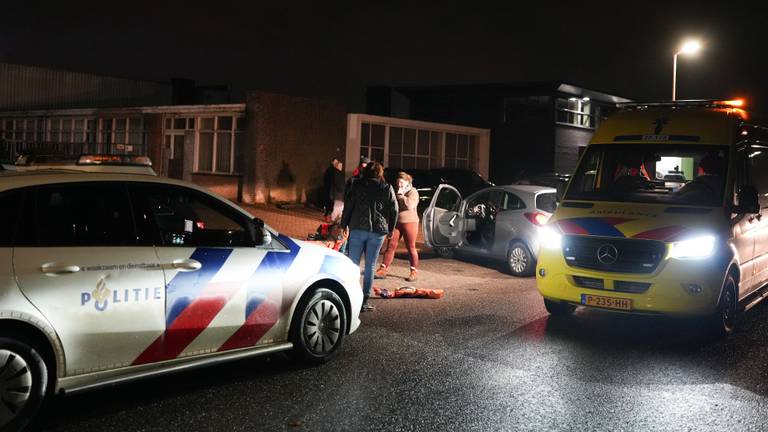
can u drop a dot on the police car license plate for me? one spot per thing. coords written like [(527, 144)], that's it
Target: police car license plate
[(606, 302)]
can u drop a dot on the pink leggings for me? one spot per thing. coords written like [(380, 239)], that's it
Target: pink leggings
[(408, 231)]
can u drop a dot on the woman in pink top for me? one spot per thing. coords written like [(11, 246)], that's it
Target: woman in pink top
[(407, 227)]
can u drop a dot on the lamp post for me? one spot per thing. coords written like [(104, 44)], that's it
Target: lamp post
[(689, 48)]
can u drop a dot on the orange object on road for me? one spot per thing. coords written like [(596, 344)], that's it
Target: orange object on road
[(409, 292)]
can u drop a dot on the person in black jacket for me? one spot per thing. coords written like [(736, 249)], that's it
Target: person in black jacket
[(337, 191), (328, 184), (370, 215)]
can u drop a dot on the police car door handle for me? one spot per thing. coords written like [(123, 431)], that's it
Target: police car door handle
[(186, 265), (54, 269), (453, 218)]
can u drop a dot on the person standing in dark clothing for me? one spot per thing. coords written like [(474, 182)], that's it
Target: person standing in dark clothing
[(328, 179), (337, 191), (370, 215)]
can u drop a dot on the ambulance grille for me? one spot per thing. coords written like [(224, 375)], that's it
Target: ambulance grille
[(631, 255)]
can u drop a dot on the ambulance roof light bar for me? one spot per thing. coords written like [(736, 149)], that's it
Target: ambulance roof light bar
[(114, 159), (703, 103)]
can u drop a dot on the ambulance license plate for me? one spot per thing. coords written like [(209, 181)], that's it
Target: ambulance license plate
[(606, 302)]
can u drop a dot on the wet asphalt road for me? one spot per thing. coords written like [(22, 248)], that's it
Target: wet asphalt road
[(485, 357)]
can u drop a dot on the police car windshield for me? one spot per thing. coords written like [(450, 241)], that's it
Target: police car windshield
[(680, 174)]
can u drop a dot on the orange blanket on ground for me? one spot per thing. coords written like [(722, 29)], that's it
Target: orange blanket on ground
[(409, 292)]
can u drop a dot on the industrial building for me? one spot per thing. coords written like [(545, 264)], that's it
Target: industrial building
[(534, 127), (266, 148)]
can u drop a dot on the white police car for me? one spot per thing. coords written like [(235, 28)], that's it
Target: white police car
[(111, 277)]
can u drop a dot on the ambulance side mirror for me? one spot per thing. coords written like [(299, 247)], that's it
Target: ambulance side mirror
[(261, 235), (748, 201)]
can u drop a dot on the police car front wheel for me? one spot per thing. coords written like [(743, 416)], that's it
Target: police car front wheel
[(23, 380), (318, 326)]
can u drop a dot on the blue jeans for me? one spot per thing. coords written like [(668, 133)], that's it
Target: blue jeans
[(369, 242)]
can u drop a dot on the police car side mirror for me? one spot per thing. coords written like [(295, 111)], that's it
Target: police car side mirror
[(261, 235), (748, 201)]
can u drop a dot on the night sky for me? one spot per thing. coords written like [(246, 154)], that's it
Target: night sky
[(335, 49)]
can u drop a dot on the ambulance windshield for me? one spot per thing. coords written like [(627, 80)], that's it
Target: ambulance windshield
[(681, 174)]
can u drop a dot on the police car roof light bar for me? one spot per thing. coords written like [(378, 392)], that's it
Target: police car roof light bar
[(114, 159)]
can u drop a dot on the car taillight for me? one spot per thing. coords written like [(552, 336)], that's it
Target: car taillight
[(538, 219)]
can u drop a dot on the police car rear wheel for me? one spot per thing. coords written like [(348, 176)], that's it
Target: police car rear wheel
[(318, 327), (23, 380)]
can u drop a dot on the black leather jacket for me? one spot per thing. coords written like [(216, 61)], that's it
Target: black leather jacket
[(370, 205)]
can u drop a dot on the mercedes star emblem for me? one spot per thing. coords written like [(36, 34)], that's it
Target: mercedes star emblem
[(607, 254)]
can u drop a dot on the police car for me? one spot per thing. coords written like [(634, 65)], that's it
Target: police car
[(109, 277)]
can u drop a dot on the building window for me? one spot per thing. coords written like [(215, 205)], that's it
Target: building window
[(372, 141), (122, 135), (576, 112), (414, 148), (219, 139), (461, 151)]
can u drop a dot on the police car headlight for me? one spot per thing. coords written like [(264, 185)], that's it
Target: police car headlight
[(694, 248), (549, 238)]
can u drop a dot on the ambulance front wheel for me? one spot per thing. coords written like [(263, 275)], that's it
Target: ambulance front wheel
[(723, 321), (318, 326)]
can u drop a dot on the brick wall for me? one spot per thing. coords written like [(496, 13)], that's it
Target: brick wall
[(227, 186), (288, 145), (568, 139)]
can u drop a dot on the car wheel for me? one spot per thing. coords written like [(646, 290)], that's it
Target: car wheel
[(445, 252), (318, 326), (520, 260), (558, 308), (723, 320), (23, 381)]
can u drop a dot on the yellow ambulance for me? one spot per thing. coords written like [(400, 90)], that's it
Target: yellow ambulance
[(665, 214)]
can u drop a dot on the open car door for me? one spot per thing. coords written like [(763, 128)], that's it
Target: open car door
[(443, 224)]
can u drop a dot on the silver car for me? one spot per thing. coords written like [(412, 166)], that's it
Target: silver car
[(500, 222)]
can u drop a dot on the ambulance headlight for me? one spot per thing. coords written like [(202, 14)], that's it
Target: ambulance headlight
[(694, 248), (549, 238)]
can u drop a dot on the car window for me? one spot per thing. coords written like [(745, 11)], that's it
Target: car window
[(186, 217), (481, 198), (80, 214), (10, 203), (510, 201), (758, 171), (448, 199), (546, 202)]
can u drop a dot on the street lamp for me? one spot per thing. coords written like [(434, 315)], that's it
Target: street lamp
[(689, 47)]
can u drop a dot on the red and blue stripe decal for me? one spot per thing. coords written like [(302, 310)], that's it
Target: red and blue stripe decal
[(264, 301), (332, 264), (606, 227), (193, 301)]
